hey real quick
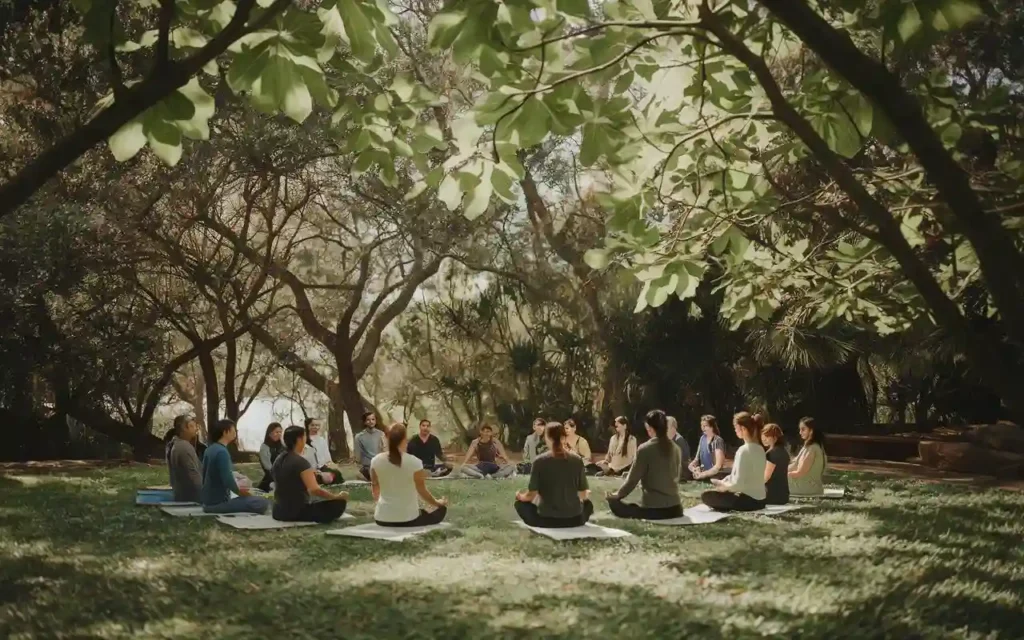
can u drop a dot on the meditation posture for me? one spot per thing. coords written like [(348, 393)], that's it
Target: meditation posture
[(368, 443), (710, 456), (776, 482), (685, 474), (743, 489), (558, 496), (577, 444), (533, 447), (318, 454), (490, 455), (298, 497), (656, 470), (219, 479), (621, 452), (806, 472), (270, 450), (396, 479), (183, 461), (428, 449)]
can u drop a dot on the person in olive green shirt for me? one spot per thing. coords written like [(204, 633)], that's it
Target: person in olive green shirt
[(656, 470), (558, 496)]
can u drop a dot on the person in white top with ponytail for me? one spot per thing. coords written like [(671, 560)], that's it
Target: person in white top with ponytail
[(743, 489), (397, 478)]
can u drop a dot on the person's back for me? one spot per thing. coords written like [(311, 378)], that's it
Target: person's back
[(684, 454), (215, 489), (558, 480), (290, 493), (398, 500), (185, 471), (658, 473), (777, 487)]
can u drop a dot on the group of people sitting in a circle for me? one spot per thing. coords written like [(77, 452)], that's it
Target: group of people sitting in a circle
[(297, 465)]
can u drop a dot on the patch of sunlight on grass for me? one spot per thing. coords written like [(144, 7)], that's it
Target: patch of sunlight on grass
[(15, 549), (842, 523), (553, 619), (99, 485), (973, 589)]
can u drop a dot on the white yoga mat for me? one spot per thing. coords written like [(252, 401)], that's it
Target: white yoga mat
[(835, 492), (589, 530), (776, 509), (391, 534), (266, 522), (694, 515), (197, 512), (354, 483)]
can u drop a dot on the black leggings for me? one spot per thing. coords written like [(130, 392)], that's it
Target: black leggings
[(322, 512), (528, 513), (636, 512), (425, 518), (729, 501)]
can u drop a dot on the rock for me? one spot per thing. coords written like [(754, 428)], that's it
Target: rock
[(1003, 436), (970, 457)]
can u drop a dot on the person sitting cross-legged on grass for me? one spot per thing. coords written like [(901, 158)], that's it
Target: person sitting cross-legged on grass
[(183, 461), (318, 454), (558, 496), (575, 443), (368, 443), (743, 489), (776, 482), (490, 455), (427, 448), (621, 452), (656, 470), (298, 497), (396, 478), (219, 479), (685, 474), (807, 471), (710, 456), (533, 447), (270, 451)]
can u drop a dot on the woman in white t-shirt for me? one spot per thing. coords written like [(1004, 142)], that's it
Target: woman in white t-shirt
[(396, 479), (744, 489)]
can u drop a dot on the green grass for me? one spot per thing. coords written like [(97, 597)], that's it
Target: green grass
[(898, 559)]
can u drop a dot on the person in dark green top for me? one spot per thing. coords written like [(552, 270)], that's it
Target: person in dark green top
[(656, 470), (297, 495), (218, 479), (558, 496)]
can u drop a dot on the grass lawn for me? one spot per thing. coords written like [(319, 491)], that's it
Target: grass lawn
[(896, 559)]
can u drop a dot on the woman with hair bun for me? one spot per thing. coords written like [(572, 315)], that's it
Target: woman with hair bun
[(396, 479), (744, 489), (656, 470)]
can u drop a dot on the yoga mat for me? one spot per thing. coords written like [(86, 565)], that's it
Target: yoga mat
[(355, 483), (197, 512), (589, 530), (159, 500), (836, 492), (693, 515), (391, 534), (159, 487), (776, 509)]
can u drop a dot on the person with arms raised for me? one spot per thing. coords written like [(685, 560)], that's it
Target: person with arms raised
[(298, 497), (743, 489), (533, 446), (368, 443), (427, 448), (219, 478), (490, 455), (656, 470), (183, 461), (396, 479), (558, 496)]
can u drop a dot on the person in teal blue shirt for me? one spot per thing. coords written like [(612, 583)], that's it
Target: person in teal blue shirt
[(219, 478)]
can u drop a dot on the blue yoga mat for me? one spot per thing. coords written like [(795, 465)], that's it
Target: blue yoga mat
[(154, 497)]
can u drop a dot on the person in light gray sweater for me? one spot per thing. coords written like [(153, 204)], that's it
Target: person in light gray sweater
[(656, 470), (533, 447), (183, 461)]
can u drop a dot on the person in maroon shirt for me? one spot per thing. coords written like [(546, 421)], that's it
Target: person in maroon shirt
[(491, 461), (428, 449)]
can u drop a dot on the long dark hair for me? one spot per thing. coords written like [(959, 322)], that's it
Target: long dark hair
[(219, 428), (624, 444), (266, 436), (555, 432), (655, 419), (711, 422), (817, 435), (291, 436), (396, 435)]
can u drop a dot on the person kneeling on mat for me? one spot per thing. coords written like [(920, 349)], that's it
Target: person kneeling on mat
[(743, 489), (396, 477), (488, 452), (558, 496), (428, 449), (656, 470), (298, 496)]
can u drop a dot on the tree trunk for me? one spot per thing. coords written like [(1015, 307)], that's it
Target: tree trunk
[(352, 405), (337, 435), (210, 384)]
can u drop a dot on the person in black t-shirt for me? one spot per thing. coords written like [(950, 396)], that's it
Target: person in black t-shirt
[(776, 479), (295, 486), (427, 448)]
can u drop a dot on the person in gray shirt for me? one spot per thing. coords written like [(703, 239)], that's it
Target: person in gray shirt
[(533, 447), (558, 496), (183, 461), (368, 443), (656, 470)]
